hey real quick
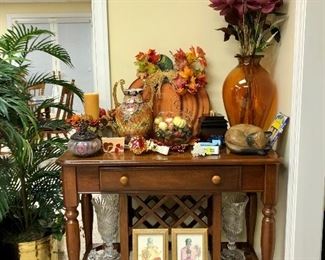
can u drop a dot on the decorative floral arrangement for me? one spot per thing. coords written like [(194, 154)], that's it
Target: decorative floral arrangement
[(150, 62), (147, 62), (190, 68), (97, 126), (187, 74), (254, 23)]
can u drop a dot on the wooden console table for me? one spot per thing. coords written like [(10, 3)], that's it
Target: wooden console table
[(176, 174)]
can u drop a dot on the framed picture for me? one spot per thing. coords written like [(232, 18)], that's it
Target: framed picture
[(190, 243), (150, 244)]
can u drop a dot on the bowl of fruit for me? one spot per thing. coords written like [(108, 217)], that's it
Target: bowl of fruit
[(172, 129)]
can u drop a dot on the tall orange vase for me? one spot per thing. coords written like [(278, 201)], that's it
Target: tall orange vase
[(248, 92)]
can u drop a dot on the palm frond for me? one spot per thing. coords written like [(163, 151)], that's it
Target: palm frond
[(19, 41)]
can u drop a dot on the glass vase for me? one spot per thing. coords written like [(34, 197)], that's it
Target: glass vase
[(107, 211), (248, 92), (233, 216)]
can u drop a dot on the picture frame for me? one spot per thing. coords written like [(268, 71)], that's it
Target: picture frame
[(150, 244), (113, 144), (190, 243)]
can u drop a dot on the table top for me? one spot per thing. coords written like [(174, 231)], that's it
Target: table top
[(154, 159)]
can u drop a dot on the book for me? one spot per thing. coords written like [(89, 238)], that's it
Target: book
[(277, 127)]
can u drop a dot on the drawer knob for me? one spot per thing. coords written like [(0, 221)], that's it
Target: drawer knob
[(124, 180), (216, 179)]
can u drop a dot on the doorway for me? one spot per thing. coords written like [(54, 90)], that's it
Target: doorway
[(75, 35)]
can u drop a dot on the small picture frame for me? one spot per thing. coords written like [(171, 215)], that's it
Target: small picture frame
[(113, 144), (189, 243), (150, 244)]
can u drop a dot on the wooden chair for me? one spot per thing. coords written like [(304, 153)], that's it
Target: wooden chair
[(66, 99), (36, 91)]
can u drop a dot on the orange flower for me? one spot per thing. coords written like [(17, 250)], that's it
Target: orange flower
[(186, 73), (192, 86), (140, 56), (191, 69)]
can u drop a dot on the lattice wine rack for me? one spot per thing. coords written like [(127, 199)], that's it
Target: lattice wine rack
[(169, 211)]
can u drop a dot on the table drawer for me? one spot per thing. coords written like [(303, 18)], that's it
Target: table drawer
[(138, 179)]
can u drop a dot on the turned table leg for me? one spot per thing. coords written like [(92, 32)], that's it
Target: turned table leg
[(269, 198), (72, 231), (268, 232), (71, 201)]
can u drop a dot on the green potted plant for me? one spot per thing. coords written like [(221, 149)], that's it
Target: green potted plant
[(30, 190)]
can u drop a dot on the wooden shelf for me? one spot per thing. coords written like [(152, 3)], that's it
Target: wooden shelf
[(248, 249)]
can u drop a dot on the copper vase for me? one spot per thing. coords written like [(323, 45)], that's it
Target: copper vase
[(248, 92)]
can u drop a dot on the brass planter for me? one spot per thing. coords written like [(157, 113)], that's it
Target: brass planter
[(42, 249), (35, 250)]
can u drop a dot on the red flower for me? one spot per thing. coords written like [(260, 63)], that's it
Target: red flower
[(232, 10), (266, 6), (248, 23), (180, 59), (102, 112), (153, 57)]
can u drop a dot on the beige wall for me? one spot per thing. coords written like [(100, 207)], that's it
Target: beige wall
[(40, 8), (167, 25)]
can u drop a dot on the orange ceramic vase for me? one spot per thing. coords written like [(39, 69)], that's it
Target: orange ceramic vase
[(248, 92)]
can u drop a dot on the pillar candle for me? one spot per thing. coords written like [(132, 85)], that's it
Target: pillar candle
[(91, 105)]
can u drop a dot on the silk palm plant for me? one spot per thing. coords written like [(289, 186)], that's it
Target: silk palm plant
[(30, 190)]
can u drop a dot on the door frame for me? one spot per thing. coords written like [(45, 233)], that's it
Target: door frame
[(305, 199), (101, 59)]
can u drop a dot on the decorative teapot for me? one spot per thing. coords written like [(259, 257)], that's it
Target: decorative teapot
[(133, 116)]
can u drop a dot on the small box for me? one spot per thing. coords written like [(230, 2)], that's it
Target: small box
[(212, 126)]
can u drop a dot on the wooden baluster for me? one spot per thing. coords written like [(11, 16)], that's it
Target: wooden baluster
[(268, 232), (269, 198), (71, 201)]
